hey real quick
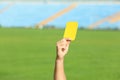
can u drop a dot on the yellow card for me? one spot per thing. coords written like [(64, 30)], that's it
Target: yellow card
[(71, 30)]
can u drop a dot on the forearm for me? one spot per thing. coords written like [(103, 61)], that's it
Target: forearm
[(59, 73)]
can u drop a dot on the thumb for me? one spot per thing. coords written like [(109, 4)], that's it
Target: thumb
[(68, 40)]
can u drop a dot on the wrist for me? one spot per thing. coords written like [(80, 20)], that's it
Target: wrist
[(59, 58)]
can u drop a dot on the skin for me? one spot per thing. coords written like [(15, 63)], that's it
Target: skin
[(62, 47)]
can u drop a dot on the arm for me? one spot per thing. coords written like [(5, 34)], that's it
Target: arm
[(62, 49)]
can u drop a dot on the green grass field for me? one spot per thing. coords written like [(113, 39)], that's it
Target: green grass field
[(28, 54)]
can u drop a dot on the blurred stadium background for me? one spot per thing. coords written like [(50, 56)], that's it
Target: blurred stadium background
[(29, 54), (28, 13)]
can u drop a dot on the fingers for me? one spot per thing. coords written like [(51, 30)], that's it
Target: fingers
[(62, 47), (64, 43), (61, 43)]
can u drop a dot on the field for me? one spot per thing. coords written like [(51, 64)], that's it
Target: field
[(29, 54)]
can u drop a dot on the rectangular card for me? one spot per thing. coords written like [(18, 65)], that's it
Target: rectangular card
[(71, 30)]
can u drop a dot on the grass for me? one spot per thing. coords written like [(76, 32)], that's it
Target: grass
[(27, 54)]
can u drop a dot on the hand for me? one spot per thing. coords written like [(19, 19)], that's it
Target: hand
[(62, 48)]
